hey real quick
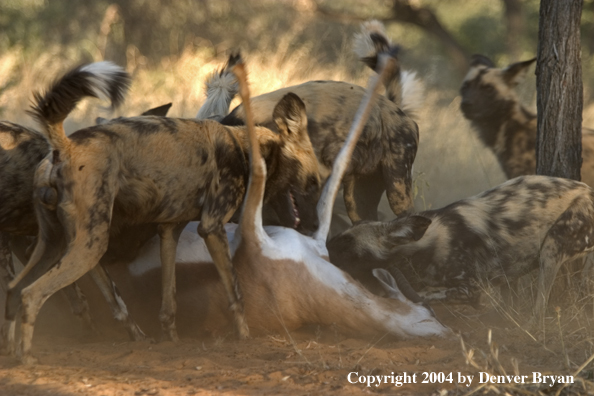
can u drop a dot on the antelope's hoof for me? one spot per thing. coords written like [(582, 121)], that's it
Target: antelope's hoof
[(243, 331), (136, 334), (29, 360)]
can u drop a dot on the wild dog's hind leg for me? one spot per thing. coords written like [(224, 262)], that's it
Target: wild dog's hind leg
[(169, 235), (7, 333), (218, 247), (81, 258), (46, 253), (6, 264), (571, 237), (20, 246), (118, 307)]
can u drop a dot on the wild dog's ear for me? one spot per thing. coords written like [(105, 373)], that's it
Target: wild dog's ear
[(516, 72), (158, 111), (408, 229), (290, 117), (477, 60), (388, 284)]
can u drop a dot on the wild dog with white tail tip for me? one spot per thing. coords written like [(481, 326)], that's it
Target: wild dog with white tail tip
[(508, 128), (21, 151), (146, 170), (384, 156), (528, 223)]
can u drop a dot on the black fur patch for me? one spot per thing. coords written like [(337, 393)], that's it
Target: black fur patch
[(84, 135), (232, 119)]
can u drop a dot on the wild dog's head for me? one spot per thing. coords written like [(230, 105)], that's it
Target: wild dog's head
[(372, 244), (488, 93), (293, 187)]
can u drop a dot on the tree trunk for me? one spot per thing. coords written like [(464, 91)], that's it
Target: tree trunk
[(559, 89)]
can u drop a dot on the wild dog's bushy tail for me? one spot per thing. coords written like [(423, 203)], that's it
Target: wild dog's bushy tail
[(413, 94), (221, 88), (402, 88), (103, 80)]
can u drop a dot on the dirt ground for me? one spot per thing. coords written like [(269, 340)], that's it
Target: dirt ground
[(308, 362)]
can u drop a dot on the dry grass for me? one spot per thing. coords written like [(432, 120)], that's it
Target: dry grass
[(491, 363)]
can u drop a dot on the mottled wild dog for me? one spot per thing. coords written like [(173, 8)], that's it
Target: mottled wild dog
[(285, 276), (146, 170), (21, 151), (491, 104), (527, 223), (383, 158)]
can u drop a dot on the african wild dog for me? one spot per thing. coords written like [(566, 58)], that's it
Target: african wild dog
[(527, 223), (21, 151), (146, 170), (286, 277), (508, 128), (384, 156)]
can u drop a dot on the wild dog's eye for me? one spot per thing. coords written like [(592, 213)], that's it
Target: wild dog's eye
[(312, 184)]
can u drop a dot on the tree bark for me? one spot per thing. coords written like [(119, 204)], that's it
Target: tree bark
[(559, 90)]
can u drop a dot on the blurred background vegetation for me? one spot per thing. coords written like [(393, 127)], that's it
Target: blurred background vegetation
[(170, 46)]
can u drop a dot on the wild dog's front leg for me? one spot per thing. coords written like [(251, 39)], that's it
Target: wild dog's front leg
[(115, 301), (348, 183), (169, 234), (368, 192), (397, 173), (218, 247), (79, 305)]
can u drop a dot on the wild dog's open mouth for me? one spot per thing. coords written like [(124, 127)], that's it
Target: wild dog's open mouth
[(297, 219)]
